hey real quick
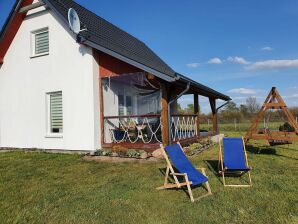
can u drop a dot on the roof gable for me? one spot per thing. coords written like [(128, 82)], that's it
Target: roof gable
[(105, 37), (13, 22)]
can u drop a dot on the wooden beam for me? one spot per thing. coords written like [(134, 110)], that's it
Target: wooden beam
[(278, 105), (197, 111), (32, 6), (164, 114), (96, 56)]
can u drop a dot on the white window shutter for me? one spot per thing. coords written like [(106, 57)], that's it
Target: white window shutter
[(42, 42), (56, 112)]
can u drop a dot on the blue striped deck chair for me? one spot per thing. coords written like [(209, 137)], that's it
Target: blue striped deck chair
[(189, 175), (233, 159)]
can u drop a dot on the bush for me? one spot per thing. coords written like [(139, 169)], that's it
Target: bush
[(286, 127), (132, 153), (120, 150), (103, 152)]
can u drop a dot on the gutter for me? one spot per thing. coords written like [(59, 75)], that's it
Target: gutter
[(169, 112), (226, 103), (217, 109)]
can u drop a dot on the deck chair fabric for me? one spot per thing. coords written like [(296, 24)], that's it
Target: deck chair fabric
[(233, 158), (234, 155), (183, 165), (176, 158)]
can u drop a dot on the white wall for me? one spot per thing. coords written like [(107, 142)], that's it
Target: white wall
[(24, 82)]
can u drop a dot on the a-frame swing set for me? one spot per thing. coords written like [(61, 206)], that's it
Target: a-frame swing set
[(273, 101)]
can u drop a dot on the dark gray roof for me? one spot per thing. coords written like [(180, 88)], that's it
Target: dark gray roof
[(109, 36), (110, 39), (204, 90)]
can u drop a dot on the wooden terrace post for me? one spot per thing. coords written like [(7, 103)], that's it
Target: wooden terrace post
[(197, 111), (96, 56), (164, 114), (214, 115)]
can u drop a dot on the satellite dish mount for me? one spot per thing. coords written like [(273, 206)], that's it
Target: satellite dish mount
[(74, 21)]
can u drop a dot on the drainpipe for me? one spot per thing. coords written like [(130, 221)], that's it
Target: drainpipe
[(217, 109), (169, 112)]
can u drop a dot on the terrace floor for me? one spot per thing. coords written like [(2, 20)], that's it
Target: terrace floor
[(63, 188)]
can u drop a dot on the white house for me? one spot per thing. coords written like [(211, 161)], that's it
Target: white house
[(97, 89)]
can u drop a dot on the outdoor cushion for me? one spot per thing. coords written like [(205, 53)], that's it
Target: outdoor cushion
[(183, 165), (234, 156)]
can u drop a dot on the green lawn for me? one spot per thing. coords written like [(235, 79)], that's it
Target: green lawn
[(241, 126), (60, 188)]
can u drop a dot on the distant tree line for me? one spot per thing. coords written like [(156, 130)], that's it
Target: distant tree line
[(242, 113)]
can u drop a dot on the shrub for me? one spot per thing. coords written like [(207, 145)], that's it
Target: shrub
[(132, 153), (286, 127), (107, 152), (120, 150)]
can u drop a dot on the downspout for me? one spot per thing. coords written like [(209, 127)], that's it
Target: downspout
[(169, 112), (217, 109)]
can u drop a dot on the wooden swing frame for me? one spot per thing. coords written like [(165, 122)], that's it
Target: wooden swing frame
[(273, 101)]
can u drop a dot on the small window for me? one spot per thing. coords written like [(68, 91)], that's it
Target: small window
[(40, 42), (55, 113)]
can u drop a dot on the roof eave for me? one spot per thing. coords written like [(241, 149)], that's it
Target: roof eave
[(209, 92), (131, 62)]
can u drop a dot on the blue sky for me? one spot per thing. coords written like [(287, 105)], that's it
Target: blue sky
[(241, 48)]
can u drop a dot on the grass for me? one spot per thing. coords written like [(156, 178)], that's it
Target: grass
[(241, 127), (59, 188)]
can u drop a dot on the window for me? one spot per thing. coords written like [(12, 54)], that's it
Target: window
[(40, 42), (55, 113), (125, 105), (128, 105), (121, 105)]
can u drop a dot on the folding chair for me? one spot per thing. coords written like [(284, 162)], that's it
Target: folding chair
[(233, 159), (192, 177)]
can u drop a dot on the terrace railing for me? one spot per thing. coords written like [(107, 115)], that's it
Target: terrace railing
[(144, 129), (183, 126)]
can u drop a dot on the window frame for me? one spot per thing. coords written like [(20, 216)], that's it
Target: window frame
[(49, 133), (125, 106), (33, 42)]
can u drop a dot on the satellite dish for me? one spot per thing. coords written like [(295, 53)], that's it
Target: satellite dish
[(74, 21)]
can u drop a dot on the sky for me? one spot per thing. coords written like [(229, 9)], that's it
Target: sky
[(240, 48)]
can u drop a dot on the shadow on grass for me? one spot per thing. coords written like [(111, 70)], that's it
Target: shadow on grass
[(181, 180), (258, 150), (214, 168), (266, 151)]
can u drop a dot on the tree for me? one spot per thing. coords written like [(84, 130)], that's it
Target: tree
[(189, 109), (229, 113), (243, 110), (179, 108), (252, 105), (231, 107)]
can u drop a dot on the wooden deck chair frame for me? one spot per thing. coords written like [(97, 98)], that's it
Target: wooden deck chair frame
[(222, 170), (170, 172)]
